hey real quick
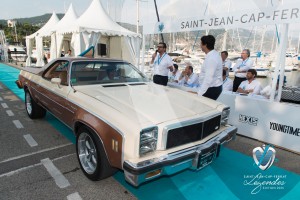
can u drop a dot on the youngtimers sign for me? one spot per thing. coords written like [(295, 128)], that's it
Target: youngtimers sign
[(269, 15)]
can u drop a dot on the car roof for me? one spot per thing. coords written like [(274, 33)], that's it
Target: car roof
[(80, 58)]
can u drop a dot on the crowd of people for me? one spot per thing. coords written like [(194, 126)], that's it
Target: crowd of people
[(214, 76)]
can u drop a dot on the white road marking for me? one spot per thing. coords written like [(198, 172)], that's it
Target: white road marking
[(10, 113), (19, 170), (4, 105), (58, 177), (29, 139), (74, 196), (31, 166), (18, 124), (37, 152), (1, 99)]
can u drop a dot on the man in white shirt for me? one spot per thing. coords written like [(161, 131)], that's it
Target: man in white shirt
[(266, 92), (175, 74), (188, 78), (210, 78), (226, 63), (69, 54), (227, 82), (251, 85), (241, 67), (162, 64)]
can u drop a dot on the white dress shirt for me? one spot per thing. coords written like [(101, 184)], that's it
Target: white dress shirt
[(254, 85), (193, 81), (242, 65), (227, 84), (211, 72), (174, 77), (161, 64), (227, 63)]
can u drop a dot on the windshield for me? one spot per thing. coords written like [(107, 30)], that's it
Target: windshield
[(103, 72)]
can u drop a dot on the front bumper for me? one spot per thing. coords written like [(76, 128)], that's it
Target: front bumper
[(195, 157)]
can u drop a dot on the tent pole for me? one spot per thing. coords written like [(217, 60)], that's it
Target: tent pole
[(143, 54), (161, 35)]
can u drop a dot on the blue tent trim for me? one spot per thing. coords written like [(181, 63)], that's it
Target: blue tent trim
[(88, 51)]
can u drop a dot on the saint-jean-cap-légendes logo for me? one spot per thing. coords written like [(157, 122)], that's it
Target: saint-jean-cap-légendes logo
[(264, 156)]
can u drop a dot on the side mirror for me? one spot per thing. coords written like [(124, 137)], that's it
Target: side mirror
[(56, 81)]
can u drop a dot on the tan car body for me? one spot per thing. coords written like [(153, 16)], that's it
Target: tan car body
[(118, 114)]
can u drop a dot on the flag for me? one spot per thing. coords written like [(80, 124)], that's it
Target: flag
[(11, 23)]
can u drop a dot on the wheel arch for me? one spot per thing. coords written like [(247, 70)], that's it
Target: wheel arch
[(106, 145)]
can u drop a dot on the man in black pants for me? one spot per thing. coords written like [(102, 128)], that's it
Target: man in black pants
[(162, 64), (240, 69), (211, 71)]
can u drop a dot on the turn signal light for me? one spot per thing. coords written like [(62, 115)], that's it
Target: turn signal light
[(153, 173)]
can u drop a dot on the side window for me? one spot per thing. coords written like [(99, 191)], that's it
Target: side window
[(58, 70)]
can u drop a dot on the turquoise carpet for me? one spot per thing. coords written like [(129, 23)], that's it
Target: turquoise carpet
[(225, 178)]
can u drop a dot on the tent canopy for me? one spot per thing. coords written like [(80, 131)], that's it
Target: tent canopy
[(46, 29), (95, 19), (69, 18)]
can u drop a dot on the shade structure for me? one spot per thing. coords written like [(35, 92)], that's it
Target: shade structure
[(45, 31)]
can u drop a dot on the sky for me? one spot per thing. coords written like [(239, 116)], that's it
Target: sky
[(167, 8), (30, 8)]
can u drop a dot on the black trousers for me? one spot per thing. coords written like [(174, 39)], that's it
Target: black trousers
[(236, 83), (213, 92), (161, 80)]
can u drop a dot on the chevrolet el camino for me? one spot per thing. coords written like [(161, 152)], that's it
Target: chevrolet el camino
[(123, 121)]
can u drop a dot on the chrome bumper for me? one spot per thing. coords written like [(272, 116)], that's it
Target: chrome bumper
[(195, 157)]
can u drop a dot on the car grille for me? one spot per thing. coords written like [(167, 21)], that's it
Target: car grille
[(192, 133)]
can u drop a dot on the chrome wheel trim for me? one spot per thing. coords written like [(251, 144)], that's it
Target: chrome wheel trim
[(28, 103), (87, 153)]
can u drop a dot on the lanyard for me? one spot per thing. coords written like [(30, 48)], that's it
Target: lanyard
[(225, 80), (243, 63), (160, 59)]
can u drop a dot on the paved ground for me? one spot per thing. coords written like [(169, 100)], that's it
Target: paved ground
[(286, 159), (23, 172)]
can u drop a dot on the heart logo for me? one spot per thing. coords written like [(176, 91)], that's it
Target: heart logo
[(161, 27), (264, 156)]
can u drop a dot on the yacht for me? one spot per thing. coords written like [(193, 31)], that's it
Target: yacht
[(17, 53)]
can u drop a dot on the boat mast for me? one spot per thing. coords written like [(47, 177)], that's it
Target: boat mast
[(298, 45), (226, 32), (137, 16)]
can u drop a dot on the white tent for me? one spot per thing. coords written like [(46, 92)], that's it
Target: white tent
[(56, 46), (38, 36), (95, 26)]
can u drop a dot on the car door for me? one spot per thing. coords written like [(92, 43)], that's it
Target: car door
[(54, 95)]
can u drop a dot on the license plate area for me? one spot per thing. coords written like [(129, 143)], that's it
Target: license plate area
[(204, 159)]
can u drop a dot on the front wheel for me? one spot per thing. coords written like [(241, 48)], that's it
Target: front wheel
[(33, 110), (91, 156)]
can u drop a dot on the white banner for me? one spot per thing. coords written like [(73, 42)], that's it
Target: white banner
[(271, 122), (289, 13)]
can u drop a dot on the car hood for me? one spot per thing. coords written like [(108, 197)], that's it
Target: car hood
[(149, 102)]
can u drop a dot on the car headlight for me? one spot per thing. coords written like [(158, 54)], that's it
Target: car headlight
[(148, 140), (225, 116)]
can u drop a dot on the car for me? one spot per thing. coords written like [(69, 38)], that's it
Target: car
[(123, 121)]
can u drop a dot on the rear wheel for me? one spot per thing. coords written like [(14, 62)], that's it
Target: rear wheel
[(91, 155), (33, 110)]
